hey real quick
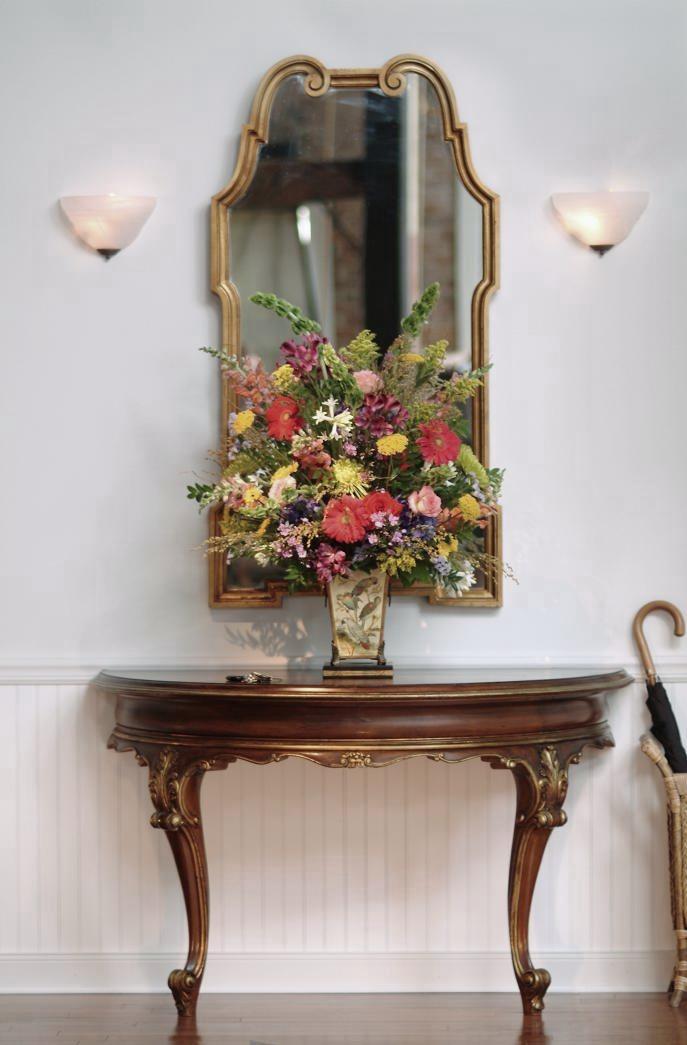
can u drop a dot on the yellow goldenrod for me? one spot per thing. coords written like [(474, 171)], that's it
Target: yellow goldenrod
[(395, 564), (284, 378), (470, 507), (388, 445), (243, 421)]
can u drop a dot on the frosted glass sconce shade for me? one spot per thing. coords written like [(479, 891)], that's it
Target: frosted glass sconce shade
[(600, 220), (108, 223)]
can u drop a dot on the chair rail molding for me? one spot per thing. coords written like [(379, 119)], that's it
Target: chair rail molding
[(671, 667)]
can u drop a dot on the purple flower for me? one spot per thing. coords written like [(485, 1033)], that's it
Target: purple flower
[(381, 414), (329, 563), (302, 358), (300, 509)]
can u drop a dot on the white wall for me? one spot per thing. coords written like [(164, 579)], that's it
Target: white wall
[(107, 410)]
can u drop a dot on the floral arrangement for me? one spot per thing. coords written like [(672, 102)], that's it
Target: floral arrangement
[(353, 458)]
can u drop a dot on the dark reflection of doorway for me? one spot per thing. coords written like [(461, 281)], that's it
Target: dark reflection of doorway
[(362, 195), (382, 170)]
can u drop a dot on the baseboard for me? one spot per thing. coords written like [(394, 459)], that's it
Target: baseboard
[(332, 973)]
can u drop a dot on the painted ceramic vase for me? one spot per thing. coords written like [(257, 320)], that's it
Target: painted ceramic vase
[(357, 607)]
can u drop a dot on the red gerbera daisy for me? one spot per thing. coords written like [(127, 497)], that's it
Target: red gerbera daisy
[(345, 519), (438, 444), (283, 418), (381, 501)]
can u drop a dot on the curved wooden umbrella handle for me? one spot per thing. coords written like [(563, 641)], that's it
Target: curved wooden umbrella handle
[(638, 632)]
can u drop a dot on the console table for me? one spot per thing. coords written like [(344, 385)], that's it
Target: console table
[(183, 723)]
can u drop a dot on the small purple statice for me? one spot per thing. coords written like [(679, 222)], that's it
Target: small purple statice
[(441, 565)]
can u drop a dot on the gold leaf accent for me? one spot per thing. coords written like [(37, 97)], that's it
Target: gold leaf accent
[(353, 759)]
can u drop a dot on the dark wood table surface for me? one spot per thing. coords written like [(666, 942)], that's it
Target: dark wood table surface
[(536, 724)]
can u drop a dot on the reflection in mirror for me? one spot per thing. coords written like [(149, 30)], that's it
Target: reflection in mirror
[(354, 208)]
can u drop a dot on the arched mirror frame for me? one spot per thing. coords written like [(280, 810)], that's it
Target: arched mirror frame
[(391, 80)]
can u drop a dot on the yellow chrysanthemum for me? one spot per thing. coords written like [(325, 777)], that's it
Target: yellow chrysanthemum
[(243, 421), (447, 546), (284, 378), (251, 495), (284, 471), (469, 507), (388, 445), (412, 357), (348, 478)]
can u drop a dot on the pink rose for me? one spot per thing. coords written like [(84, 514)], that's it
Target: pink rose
[(367, 381), (279, 486), (425, 502)]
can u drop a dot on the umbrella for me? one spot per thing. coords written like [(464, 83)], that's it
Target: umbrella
[(664, 726)]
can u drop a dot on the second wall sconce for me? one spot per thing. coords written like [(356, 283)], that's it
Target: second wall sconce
[(108, 223), (600, 220)]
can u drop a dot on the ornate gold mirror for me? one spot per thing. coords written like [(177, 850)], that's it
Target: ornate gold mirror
[(353, 190)]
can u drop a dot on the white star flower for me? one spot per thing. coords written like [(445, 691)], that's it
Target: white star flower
[(340, 424)]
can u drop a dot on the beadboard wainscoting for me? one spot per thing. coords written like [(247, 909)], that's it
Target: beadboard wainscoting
[(390, 879)]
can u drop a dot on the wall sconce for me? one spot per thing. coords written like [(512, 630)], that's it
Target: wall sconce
[(600, 220), (108, 223)]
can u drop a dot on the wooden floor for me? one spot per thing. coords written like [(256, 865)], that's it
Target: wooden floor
[(348, 1019)]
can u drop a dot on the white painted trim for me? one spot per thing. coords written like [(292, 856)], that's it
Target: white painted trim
[(672, 668), (336, 973)]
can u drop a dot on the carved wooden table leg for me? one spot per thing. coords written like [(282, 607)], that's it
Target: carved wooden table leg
[(541, 778), (175, 781)]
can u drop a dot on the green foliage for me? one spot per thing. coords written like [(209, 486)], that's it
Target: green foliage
[(362, 352), (421, 311), (420, 574), (298, 578), (432, 362), (198, 492), (225, 359), (300, 324), (495, 480), (339, 380), (421, 411), (464, 386)]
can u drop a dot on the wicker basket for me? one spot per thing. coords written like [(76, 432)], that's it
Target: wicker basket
[(676, 797)]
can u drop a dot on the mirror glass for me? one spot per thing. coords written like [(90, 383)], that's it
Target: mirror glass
[(354, 207)]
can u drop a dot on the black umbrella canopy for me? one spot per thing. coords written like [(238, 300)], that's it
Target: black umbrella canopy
[(664, 725)]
